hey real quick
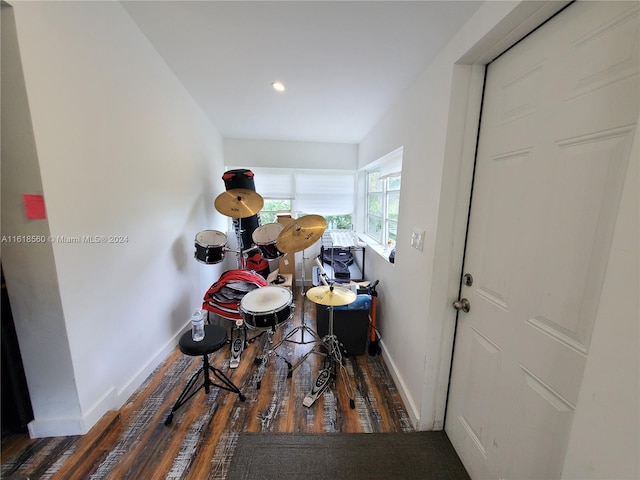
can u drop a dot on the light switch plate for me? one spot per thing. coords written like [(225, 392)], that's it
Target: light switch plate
[(417, 238)]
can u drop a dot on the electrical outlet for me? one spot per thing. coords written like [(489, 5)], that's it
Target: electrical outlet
[(417, 238)]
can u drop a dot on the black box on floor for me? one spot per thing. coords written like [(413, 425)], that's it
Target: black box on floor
[(350, 324)]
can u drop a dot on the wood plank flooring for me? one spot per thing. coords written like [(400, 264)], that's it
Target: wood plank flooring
[(134, 443)]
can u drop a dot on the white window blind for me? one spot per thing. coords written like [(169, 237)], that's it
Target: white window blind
[(321, 192), (274, 182), (325, 193)]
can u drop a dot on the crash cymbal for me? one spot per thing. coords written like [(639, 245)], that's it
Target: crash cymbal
[(239, 203), (301, 233), (331, 295)]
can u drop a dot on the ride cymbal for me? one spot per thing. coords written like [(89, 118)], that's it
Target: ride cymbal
[(239, 203), (301, 233), (331, 295)]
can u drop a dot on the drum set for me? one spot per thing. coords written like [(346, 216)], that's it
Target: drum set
[(244, 296)]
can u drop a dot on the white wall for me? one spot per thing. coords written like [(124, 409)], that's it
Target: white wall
[(281, 154), (122, 150)]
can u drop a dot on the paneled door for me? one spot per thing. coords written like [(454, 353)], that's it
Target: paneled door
[(559, 114)]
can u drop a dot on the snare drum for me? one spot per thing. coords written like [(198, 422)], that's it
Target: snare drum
[(267, 307), (265, 238), (210, 246)]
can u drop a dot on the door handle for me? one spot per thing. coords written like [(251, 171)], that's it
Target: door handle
[(462, 304)]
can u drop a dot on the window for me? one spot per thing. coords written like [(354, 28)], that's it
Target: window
[(271, 209), (329, 193), (392, 189), (375, 202), (383, 199), (339, 222)]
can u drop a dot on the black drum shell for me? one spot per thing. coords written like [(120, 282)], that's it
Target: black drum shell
[(209, 254), (244, 228), (239, 178), (210, 246), (262, 321)]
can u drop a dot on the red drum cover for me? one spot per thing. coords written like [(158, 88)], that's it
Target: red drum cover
[(224, 296)]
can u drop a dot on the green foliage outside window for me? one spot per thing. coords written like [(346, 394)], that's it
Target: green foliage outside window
[(375, 183), (383, 206), (271, 209)]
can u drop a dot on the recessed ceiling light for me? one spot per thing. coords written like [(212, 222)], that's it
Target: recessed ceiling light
[(278, 86)]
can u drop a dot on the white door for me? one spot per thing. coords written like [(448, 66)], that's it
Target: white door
[(558, 118)]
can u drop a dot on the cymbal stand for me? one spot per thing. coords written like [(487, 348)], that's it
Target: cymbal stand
[(315, 338), (303, 327), (332, 362), (263, 360), (240, 255)]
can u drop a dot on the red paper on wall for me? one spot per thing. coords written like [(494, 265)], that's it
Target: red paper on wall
[(34, 207)]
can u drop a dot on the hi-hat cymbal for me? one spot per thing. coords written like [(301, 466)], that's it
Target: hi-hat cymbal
[(301, 233), (239, 203), (331, 295)]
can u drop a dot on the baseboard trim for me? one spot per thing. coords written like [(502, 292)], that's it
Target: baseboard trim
[(57, 427), (412, 408), (141, 375), (111, 400)]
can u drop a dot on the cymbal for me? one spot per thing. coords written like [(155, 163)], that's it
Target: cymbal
[(332, 295), (239, 203), (301, 233)]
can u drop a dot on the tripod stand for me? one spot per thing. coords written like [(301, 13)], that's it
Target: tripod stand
[(289, 337), (331, 296), (300, 234)]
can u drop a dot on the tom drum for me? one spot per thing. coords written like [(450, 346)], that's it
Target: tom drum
[(210, 246), (265, 238)]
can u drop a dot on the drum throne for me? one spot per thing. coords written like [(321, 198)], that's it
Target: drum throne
[(215, 338)]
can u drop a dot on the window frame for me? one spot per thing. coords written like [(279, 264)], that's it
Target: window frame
[(384, 236)]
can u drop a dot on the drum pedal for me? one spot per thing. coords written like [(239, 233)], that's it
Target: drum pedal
[(236, 350), (321, 383)]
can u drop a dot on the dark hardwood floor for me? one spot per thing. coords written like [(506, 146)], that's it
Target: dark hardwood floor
[(134, 443)]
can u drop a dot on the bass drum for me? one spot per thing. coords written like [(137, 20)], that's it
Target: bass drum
[(267, 307), (210, 245)]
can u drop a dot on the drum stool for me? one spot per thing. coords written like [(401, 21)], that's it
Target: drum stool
[(215, 337)]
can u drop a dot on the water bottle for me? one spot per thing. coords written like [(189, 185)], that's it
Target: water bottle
[(197, 326)]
